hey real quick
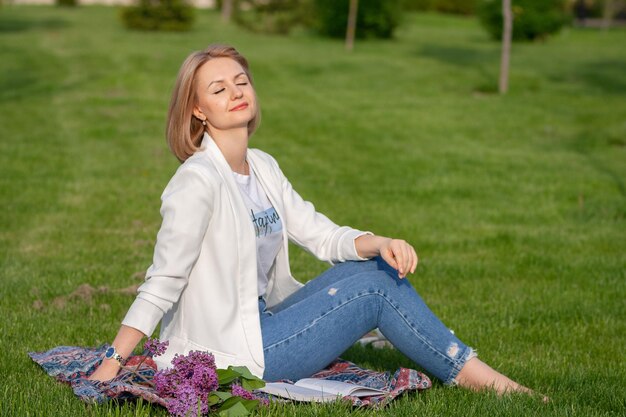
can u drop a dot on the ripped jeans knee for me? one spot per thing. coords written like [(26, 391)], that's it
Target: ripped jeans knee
[(320, 321)]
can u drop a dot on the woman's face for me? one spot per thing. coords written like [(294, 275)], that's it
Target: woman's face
[(224, 96)]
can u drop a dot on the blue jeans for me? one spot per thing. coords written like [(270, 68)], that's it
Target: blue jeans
[(319, 322)]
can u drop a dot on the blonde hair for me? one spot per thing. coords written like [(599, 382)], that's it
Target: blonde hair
[(184, 131)]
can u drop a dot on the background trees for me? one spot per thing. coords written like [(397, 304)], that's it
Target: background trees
[(533, 19)]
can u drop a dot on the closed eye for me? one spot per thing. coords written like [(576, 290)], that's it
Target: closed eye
[(219, 91)]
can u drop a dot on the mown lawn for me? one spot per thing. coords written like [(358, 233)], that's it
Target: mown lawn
[(517, 204)]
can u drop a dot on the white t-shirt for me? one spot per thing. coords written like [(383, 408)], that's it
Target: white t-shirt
[(267, 225)]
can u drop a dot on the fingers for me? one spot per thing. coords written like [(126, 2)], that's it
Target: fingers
[(402, 259), (415, 260), (401, 256), (405, 257), (388, 256)]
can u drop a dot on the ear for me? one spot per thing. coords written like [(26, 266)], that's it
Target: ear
[(198, 113)]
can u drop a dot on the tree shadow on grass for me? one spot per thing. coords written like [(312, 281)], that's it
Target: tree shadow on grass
[(607, 76), (27, 73), (10, 24), (459, 56), (585, 143), (472, 59)]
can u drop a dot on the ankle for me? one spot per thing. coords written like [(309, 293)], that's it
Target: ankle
[(477, 375)]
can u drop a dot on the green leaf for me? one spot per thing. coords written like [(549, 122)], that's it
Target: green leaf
[(252, 384), (243, 372), (248, 380), (226, 376), (222, 395), (217, 397), (236, 410), (250, 404), (232, 407), (229, 403), (213, 399)]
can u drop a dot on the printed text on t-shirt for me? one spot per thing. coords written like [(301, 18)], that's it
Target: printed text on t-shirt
[(266, 222)]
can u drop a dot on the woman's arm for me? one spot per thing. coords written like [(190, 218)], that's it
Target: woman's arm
[(124, 343), (326, 240), (396, 252), (187, 207), (186, 210)]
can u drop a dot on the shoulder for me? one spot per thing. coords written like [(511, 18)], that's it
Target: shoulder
[(201, 164), (265, 162), (262, 157), (197, 171)]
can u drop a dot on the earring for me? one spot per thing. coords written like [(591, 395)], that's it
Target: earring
[(204, 123)]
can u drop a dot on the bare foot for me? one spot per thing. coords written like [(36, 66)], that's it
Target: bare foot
[(477, 375)]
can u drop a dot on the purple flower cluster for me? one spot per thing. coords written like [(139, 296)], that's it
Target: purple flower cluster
[(239, 391), (188, 383), (155, 346), (187, 402)]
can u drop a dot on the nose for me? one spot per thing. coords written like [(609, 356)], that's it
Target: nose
[(236, 92)]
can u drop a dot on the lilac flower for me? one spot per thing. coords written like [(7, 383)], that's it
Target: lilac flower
[(239, 391), (193, 358), (188, 383), (204, 378), (156, 347), (187, 401), (163, 383)]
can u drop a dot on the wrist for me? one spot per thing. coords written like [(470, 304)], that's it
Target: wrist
[(112, 355), (381, 243), (110, 364), (368, 246)]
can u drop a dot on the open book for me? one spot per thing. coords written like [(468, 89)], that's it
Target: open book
[(318, 390)]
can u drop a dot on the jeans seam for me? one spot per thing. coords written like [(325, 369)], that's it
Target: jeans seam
[(318, 319), (418, 335), (456, 365)]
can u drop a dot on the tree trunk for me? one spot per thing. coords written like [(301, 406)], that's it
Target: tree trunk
[(351, 30), (227, 10), (507, 31), (607, 14)]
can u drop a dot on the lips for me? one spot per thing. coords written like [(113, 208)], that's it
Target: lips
[(241, 106)]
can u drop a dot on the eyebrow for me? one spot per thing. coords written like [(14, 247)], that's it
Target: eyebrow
[(221, 81)]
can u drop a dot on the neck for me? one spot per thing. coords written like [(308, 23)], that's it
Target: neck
[(233, 144)]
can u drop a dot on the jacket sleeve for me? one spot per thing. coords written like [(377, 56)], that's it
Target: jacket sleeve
[(314, 231), (187, 205)]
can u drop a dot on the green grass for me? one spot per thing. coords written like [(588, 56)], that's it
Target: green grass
[(517, 204)]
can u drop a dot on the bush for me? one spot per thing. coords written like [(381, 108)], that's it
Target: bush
[(67, 3), (444, 6), (167, 15), (418, 5), (273, 16), (594, 9), (375, 18), (532, 19), (465, 7)]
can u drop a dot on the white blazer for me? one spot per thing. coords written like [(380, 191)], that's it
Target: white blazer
[(202, 283)]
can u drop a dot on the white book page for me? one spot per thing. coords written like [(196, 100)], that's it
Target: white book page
[(338, 387), (297, 393)]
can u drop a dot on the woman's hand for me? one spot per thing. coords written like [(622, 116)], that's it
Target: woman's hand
[(125, 341), (396, 252), (400, 255), (107, 370)]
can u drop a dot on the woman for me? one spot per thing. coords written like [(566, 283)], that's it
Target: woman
[(220, 278)]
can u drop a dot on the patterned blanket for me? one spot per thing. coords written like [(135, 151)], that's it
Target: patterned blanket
[(73, 365)]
